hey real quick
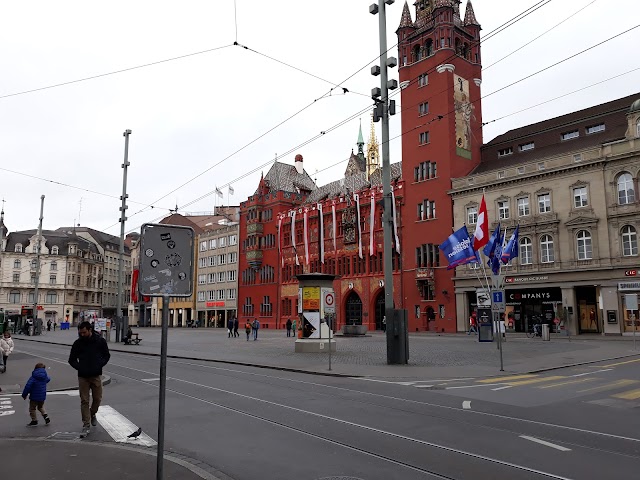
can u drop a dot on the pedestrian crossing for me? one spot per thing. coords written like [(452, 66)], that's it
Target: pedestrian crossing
[(579, 384)]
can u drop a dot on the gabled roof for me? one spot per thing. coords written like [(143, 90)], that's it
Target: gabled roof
[(285, 177), (547, 135), (352, 184)]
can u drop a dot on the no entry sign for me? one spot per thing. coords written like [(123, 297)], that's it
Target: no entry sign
[(328, 300)]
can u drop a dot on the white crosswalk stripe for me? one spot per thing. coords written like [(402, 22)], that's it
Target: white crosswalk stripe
[(119, 427)]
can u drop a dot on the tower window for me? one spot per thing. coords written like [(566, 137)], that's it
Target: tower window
[(423, 109), (424, 138), (423, 80), (428, 47)]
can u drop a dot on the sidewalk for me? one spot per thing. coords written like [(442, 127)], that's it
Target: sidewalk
[(430, 356), (75, 460)]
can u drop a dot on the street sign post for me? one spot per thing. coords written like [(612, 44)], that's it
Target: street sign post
[(498, 307), (166, 270)]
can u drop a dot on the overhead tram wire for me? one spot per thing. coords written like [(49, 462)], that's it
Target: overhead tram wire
[(62, 184), (492, 33), (495, 31), (93, 77), (440, 117)]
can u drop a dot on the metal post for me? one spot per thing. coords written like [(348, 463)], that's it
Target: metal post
[(163, 387), (499, 328), (36, 328), (394, 332), (330, 324), (120, 326)]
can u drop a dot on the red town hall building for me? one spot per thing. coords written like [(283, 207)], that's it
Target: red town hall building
[(292, 226)]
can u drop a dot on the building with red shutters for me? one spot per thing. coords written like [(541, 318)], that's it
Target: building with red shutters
[(292, 226)]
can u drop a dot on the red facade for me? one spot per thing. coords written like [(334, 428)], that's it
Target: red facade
[(442, 120), (442, 124)]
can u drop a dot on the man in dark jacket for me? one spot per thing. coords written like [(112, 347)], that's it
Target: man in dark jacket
[(89, 354)]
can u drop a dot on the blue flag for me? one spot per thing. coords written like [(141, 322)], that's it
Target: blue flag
[(511, 250), (457, 249), (494, 260), (490, 247)]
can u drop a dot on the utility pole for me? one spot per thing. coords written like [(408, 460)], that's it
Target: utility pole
[(36, 323), (397, 345), (120, 326)]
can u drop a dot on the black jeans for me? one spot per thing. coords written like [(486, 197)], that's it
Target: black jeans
[(4, 360)]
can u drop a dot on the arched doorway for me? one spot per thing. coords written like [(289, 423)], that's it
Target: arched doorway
[(353, 311), (379, 309)]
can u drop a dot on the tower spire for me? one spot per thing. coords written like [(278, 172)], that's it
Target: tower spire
[(360, 141), (373, 151), (469, 15), (405, 20)]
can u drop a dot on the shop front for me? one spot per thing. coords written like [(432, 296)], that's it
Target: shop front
[(526, 307), (629, 298)]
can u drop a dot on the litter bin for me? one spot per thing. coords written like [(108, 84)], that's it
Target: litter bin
[(546, 336), (485, 332)]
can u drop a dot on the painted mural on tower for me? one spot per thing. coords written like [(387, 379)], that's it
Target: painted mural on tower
[(464, 111)]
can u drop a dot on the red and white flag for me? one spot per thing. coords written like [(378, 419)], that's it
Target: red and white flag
[(372, 219), (280, 218), (305, 235), (334, 226), (321, 231), (356, 198), (293, 235), (481, 235)]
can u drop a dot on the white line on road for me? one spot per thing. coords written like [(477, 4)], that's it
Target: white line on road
[(69, 393), (502, 388), (379, 395), (150, 379), (591, 373), (547, 444), (423, 386), (475, 386), (466, 404), (119, 427)]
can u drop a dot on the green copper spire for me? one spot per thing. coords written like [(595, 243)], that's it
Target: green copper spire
[(360, 141)]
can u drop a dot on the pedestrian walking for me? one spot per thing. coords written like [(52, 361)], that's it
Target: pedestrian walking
[(236, 324), (89, 354), (289, 324), (230, 327), (55, 325), (293, 327), (473, 324), (6, 345), (248, 328), (36, 389), (384, 323), (48, 325), (256, 327)]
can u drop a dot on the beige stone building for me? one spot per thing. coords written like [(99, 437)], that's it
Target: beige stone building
[(217, 279), (571, 183)]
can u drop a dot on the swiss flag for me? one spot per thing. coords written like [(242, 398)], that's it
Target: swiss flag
[(481, 235)]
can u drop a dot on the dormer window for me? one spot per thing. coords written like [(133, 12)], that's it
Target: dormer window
[(527, 146), (595, 128), (505, 151), (55, 250), (18, 248), (570, 135)]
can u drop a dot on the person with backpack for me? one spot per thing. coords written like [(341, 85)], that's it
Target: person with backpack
[(235, 327), (247, 328), (229, 327), (256, 327)]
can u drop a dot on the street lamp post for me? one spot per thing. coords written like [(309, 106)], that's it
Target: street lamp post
[(397, 344)]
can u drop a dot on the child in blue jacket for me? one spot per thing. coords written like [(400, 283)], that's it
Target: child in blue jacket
[(36, 388)]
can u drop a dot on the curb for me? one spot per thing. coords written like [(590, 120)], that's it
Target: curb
[(201, 469), (340, 375)]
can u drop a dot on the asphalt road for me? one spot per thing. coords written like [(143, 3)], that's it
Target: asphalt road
[(252, 423)]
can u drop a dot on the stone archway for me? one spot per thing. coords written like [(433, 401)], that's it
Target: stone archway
[(353, 309)]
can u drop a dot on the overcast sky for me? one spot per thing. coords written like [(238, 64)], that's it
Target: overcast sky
[(189, 114)]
